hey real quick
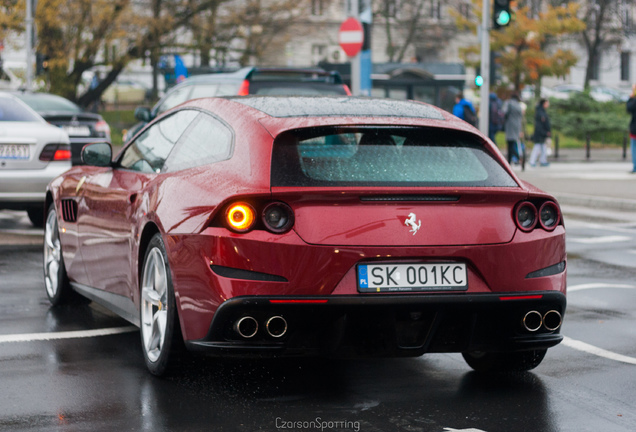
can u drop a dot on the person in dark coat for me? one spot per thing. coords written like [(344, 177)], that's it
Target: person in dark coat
[(631, 108), (542, 131)]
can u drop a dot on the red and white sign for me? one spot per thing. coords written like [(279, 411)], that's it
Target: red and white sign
[(351, 37)]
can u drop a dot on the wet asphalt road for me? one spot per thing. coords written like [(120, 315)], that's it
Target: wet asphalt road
[(99, 383)]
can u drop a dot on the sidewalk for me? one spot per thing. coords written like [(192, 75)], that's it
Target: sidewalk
[(601, 184)]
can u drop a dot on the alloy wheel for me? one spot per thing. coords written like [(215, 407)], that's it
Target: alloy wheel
[(154, 304)]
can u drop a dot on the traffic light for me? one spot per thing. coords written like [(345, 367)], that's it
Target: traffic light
[(495, 68), (479, 80), (501, 14)]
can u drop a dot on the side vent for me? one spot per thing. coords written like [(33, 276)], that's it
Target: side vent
[(68, 208)]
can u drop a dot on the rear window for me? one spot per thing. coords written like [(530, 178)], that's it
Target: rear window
[(12, 110), (45, 102), (384, 157)]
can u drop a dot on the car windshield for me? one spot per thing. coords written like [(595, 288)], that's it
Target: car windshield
[(12, 110), (373, 156), (49, 103)]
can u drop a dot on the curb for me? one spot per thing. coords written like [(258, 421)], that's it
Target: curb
[(620, 204)]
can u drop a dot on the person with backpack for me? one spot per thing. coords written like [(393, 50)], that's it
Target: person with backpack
[(465, 110), (631, 109)]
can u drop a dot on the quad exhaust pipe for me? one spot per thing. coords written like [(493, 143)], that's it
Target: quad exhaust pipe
[(533, 320), (247, 326)]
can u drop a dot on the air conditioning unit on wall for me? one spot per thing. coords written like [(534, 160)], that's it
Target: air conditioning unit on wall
[(335, 54)]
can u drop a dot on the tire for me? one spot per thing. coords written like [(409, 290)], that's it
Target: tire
[(161, 339), (519, 361), (36, 216), (58, 287)]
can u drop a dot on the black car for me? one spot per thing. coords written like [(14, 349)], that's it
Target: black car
[(262, 81), (82, 127)]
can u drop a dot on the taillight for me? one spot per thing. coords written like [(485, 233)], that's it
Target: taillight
[(526, 216), (549, 215), (102, 128), (278, 217), (244, 90), (55, 152), (240, 217)]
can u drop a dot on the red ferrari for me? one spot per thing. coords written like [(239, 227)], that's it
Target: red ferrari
[(330, 226)]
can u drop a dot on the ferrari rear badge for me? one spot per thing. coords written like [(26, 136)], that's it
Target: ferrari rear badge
[(411, 221)]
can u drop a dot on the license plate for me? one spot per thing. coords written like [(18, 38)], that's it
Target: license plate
[(14, 151), (77, 130), (387, 277)]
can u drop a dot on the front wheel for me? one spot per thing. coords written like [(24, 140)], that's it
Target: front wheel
[(518, 361), (160, 332), (58, 288)]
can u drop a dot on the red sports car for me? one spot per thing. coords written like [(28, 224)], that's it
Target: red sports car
[(312, 226)]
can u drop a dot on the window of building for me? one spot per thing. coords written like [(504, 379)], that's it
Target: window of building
[(317, 7), (436, 9), (625, 72), (596, 67)]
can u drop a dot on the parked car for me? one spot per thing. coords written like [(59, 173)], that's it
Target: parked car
[(246, 81), (81, 126), (125, 91), (32, 152), (312, 226), (598, 93)]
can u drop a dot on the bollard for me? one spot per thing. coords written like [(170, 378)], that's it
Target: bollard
[(556, 146), (588, 140), (624, 145)]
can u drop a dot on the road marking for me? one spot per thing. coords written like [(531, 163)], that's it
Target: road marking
[(599, 285), (602, 239), (591, 349), (32, 337)]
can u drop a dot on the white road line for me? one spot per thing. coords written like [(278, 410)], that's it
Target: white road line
[(32, 337), (599, 285), (591, 349), (601, 239)]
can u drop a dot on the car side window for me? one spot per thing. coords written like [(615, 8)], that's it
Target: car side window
[(150, 150), (207, 141)]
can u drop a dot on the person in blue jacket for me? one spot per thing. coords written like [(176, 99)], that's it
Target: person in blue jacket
[(464, 109)]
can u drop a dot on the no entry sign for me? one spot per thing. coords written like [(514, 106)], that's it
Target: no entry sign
[(351, 37)]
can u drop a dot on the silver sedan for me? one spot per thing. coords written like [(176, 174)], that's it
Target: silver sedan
[(32, 152)]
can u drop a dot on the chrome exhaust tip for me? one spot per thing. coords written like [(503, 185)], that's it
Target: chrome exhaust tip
[(247, 327), (552, 320), (532, 321), (276, 326)]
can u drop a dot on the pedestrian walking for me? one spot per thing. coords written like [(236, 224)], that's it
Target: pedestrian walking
[(513, 126), (631, 108), (542, 132), (464, 109), (495, 116)]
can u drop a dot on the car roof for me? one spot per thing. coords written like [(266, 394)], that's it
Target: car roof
[(339, 106), (305, 111)]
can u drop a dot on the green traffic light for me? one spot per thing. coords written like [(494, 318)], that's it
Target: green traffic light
[(479, 80), (503, 18)]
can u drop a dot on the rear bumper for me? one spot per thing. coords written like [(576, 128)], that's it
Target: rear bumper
[(383, 325), (20, 189)]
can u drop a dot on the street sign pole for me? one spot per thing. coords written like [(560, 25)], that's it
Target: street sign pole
[(366, 64), (355, 61), (484, 94), (29, 44)]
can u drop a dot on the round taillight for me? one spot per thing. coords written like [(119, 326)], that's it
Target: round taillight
[(240, 217), (278, 217), (526, 216), (549, 215)]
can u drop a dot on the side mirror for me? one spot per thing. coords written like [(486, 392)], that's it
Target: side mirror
[(97, 154), (143, 114)]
